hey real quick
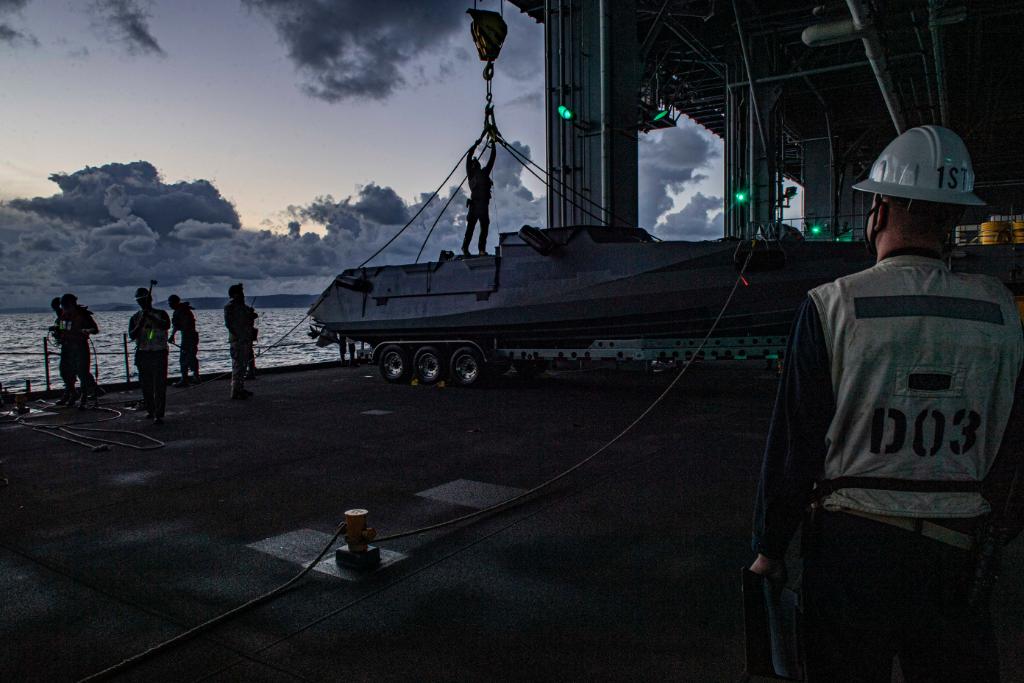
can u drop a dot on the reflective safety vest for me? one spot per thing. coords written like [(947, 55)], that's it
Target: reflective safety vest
[(151, 337), (924, 365)]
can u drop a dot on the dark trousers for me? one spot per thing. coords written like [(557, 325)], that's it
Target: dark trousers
[(67, 370), (873, 591), (152, 367), (78, 359), (188, 356), (477, 213)]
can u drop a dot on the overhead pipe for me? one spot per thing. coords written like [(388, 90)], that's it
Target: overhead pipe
[(935, 27), (859, 26), (876, 55)]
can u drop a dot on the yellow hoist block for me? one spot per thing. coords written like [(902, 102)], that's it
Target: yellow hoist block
[(489, 31)]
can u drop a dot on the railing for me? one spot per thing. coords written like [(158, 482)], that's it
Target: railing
[(48, 352)]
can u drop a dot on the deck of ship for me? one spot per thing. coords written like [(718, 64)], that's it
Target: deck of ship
[(626, 570)]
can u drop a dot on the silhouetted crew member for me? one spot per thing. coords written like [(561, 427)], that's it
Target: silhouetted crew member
[(67, 370), (480, 184), (239, 319), (250, 372), (184, 320), (77, 323), (148, 328), (901, 416)]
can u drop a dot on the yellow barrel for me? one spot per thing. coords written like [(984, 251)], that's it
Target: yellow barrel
[(1018, 232), (994, 232)]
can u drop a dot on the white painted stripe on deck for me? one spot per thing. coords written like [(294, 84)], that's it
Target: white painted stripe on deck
[(472, 494), (376, 411), (302, 546)]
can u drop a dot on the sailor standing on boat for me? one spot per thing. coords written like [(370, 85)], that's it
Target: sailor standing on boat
[(480, 184), (239, 318), (900, 415), (148, 328)]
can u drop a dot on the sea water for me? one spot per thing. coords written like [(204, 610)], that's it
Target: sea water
[(21, 345)]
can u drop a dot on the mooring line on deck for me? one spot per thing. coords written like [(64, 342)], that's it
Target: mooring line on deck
[(265, 597)]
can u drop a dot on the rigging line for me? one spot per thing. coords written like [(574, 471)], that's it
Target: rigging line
[(418, 212), (644, 414), (455, 194), (606, 446), (555, 190), (552, 179), (210, 623), (205, 626), (555, 179)]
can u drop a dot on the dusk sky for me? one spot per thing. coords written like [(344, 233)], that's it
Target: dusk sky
[(271, 141)]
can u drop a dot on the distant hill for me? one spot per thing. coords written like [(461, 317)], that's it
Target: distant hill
[(198, 303)]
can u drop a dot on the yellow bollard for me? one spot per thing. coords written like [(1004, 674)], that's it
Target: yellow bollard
[(358, 554)]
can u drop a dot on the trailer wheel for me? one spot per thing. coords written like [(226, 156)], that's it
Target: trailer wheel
[(394, 364), (467, 366), (428, 365)]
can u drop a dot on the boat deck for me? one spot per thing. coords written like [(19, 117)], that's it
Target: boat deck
[(626, 570)]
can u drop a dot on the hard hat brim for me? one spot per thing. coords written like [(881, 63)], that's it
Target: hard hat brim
[(924, 194)]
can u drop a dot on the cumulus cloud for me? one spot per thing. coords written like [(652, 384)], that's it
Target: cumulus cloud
[(351, 49), (701, 218), (670, 161), (10, 35), (114, 227), (127, 22)]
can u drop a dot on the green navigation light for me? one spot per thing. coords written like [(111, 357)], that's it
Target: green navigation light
[(566, 113), (660, 115), (815, 229), (741, 197)]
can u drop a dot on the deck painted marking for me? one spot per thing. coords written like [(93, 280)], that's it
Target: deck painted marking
[(375, 411), (301, 547), (469, 493)]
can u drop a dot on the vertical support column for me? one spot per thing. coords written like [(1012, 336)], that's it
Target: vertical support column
[(593, 68), (127, 367), (46, 360)]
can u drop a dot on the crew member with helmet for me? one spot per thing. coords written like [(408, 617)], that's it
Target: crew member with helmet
[(183, 320), (77, 324), (900, 420), (148, 328), (239, 318), (67, 370), (479, 201)]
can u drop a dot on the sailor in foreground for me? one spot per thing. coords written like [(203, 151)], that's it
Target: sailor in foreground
[(148, 328), (239, 318), (480, 184), (900, 419)]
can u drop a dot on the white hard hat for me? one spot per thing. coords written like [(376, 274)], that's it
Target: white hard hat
[(930, 163)]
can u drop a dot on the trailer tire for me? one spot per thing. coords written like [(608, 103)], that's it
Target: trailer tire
[(467, 367), (428, 365), (393, 363)]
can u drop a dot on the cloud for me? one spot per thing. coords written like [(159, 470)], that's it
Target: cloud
[(353, 49), (92, 196), (10, 35), (671, 160), (114, 227), (128, 23), (196, 231), (702, 218)]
